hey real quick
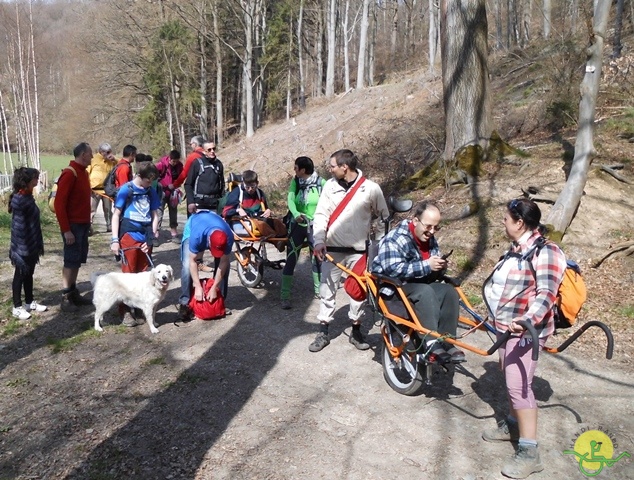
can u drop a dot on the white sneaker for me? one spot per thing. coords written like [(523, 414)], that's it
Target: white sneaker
[(36, 307), (21, 313)]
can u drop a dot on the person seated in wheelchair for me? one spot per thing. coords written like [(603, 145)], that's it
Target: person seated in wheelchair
[(411, 254), (249, 201)]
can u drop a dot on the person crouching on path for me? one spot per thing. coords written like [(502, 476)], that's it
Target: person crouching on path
[(204, 231), (134, 224), (27, 243)]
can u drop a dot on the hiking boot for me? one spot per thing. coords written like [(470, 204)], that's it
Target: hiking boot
[(20, 313), (356, 339), (77, 299), (321, 341), (184, 314), (506, 432), (286, 304), (36, 307), (67, 304), (523, 463), (129, 320), (457, 356)]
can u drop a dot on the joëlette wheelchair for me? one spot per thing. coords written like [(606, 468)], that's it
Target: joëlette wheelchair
[(250, 251), (406, 351)]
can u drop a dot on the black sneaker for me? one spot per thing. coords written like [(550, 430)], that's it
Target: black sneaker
[(356, 339), (321, 341), (457, 355), (184, 314), (77, 299)]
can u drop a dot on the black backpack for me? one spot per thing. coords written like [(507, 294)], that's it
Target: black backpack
[(109, 187), (209, 184)]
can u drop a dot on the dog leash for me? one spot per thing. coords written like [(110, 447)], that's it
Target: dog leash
[(122, 258)]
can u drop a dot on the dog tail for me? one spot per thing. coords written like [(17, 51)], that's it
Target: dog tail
[(94, 276)]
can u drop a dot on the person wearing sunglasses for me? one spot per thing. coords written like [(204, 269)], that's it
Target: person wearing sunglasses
[(522, 286), (102, 162), (411, 253)]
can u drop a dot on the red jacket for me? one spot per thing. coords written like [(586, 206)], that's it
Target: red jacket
[(72, 200), (188, 163), (124, 173)]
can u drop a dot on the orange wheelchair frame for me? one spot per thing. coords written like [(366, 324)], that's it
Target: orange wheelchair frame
[(405, 356), (250, 253)]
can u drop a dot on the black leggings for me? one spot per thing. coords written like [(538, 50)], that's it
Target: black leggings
[(24, 277), (297, 235)]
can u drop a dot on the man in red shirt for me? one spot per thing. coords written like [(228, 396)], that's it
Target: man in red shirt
[(196, 145), (124, 167), (72, 208)]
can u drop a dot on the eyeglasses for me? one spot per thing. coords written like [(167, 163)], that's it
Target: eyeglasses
[(250, 185), (108, 152), (211, 149), (428, 228)]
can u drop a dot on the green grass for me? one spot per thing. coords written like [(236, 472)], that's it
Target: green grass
[(627, 311), (156, 361), (52, 164), (48, 221), (59, 345), (18, 382)]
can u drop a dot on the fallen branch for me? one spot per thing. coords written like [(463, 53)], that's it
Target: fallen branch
[(536, 196), (627, 248), (610, 170)]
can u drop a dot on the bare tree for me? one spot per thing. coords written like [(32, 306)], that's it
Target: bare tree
[(434, 15), (465, 74), (363, 44), (331, 30), (567, 203), (547, 14), (300, 56), (618, 26)]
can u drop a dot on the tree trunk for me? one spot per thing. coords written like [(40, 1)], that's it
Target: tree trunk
[(547, 11), (433, 34), (618, 25), (372, 46), (346, 52), (331, 29), (218, 54), (567, 203), (363, 43), (498, 25), (319, 47), (247, 66), (204, 112), (527, 14), (394, 32), (465, 74), (300, 57)]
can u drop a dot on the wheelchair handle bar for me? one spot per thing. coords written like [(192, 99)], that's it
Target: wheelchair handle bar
[(578, 333), (506, 335)]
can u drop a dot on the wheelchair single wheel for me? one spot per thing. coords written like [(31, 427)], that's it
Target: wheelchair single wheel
[(402, 373), (252, 274)]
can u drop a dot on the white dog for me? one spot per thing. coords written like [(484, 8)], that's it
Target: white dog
[(143, 290)]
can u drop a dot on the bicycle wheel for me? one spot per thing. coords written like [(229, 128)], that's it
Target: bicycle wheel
[(252, 274), (402, 373)]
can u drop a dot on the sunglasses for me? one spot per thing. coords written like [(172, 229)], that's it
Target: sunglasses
[(212, 149)]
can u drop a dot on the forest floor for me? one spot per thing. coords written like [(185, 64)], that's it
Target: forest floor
[(243, 398)]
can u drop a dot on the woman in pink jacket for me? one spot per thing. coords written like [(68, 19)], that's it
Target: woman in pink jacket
[(170, 167)]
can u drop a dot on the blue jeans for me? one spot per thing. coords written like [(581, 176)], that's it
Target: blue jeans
[(186, 278)]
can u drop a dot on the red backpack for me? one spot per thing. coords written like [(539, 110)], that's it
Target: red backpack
[(206, 310)]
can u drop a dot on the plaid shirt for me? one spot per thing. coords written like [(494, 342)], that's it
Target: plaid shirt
[(399, 256), (528, 296)]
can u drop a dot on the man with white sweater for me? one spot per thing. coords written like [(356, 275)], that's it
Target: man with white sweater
[(342, 232)]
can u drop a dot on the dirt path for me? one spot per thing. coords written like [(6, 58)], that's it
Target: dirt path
[(243, 398)]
